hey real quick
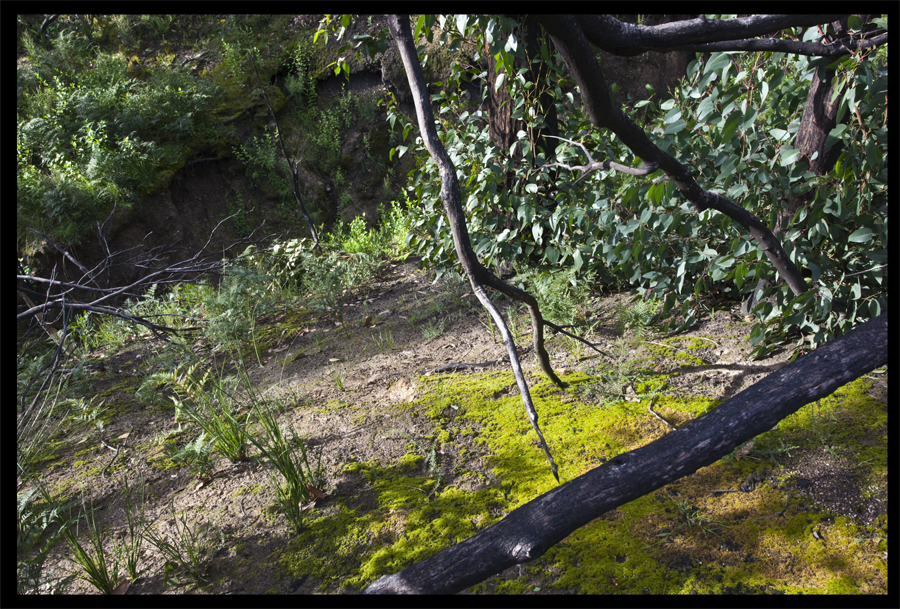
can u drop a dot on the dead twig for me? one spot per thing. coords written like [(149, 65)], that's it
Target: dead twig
[(650, 410), (578, 338), (593, 165)]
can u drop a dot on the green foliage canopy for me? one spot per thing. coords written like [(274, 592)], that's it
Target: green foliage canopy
[(733, 120)]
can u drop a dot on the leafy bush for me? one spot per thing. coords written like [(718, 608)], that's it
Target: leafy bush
[(286, 263), (300, 83), (329, 126), (260, 156), (329, 278), (387, 240), (732, 121), (88, 136), (231, 311)]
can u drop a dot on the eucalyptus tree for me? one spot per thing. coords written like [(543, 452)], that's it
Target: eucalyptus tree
[(736, 140)]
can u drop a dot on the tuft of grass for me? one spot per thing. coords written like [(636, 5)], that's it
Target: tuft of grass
[(489, 326), (693, 518), (99, 568), (512, 322), (130, 547), (384, 342), (433, 329), (298, 475), (575, 348), (212, 410), (338, 377), (38, 422), (184, 547)]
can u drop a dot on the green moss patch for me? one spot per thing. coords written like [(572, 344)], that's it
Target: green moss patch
[(353, 547), (683, 538)]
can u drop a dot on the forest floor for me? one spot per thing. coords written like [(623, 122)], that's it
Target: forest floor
[(416, 460)]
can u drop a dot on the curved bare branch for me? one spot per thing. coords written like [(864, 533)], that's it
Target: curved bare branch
[(593, 165), (479, 276)]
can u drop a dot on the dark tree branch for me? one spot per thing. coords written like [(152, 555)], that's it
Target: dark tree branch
[(627, 39), (578, 338), (27, 417), (529, 531), (199, 264), (796, 47), (478, 275), (576, 51)]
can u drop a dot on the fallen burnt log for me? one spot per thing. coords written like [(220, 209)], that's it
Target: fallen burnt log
[(529, 531)]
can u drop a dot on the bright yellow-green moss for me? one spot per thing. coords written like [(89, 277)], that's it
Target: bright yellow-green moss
[(253, 489), (411, 460), (678, 539), (407, 527), (681, 351)]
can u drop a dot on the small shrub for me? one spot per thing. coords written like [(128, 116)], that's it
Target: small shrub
[(638, 316), (243, 295), (198, 456), (212, 409)]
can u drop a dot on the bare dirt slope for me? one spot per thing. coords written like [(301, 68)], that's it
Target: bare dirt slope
[(359, 393)]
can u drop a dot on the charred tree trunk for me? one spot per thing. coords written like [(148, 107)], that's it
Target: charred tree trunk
[(820, 116), (503, 127), (529, 531)]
